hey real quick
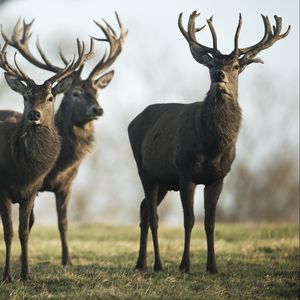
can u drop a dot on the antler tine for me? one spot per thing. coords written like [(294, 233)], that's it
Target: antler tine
[(63, 58), (19, 41), (181, 28), (48, 65), (184, 32), (191, 37), (115, 44), (213, 32), (26, 31), (20, 71), (269, 38), (109, 28), (74, 64), (5, 65), (191, 25), (123, 31), (268, 30), (237, 34), (57, 77), (279, 27), (1, 54)]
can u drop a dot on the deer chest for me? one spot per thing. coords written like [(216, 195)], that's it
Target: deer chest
[(205, 169)]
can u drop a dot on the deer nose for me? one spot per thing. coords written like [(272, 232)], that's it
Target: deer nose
[(220, 76), (97, 110), (34, 115)]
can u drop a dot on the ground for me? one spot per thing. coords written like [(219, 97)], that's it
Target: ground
[(256, 261)]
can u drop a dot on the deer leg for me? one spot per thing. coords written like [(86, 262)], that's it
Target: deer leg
[(211, 196), (144, 225), (151, 193), (24, 216), (187, 191), (31, 222), (31, 219), (5, 210), (62, 199)]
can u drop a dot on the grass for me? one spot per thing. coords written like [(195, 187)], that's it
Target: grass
[(254, 261)]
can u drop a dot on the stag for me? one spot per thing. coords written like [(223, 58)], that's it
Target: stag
[(75, 116), (29, 147), (178, 146)]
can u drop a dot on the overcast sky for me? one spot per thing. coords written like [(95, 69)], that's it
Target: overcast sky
[(156, 65)]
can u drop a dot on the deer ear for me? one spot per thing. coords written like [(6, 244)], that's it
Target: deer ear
[(15, 84), (244, 62), (62, 86), (104, 80)]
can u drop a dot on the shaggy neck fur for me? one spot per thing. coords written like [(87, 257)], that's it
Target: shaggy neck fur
[(77, 141), (220, 120), (34, 150)]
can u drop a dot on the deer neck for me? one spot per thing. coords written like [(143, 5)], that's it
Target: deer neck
[(221, 120), (77, 141), (34, 150)]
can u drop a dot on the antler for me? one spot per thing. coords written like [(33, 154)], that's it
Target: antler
[(199, 51), (15, 71), (19, 40), (74, 64), (269, 38), (115, 44)]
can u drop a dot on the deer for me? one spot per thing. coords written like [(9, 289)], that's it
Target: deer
[(29, 146), (75, 116), (179, 146)]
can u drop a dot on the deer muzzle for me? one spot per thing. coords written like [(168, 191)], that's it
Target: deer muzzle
[(95, 111), (34, 116)]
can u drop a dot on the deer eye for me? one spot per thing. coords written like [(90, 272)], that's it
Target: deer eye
[(236, 67)]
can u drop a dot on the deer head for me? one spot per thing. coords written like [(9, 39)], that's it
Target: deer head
[(224, 69), (39, 99), (81, 98)]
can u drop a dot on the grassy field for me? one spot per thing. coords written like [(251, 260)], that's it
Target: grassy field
[(255, 262)]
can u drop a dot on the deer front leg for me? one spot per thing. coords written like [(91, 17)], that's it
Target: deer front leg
[(187, 191), (144, 225), (62, 199), (24, 215), (211, 196), (5, 210)]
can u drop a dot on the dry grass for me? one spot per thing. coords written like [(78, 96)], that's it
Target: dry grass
[(255, 262)]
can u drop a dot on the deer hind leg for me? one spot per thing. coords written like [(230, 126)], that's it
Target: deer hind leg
[(144, 225), (187, 191), (62, 199), (6, 211), (24, 216), (151, 197), (211, 196)]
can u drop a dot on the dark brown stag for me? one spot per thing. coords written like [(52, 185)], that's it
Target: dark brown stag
[(178, 146), (75, 116), (29, 147)]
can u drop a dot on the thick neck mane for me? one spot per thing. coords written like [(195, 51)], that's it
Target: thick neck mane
[(77, 141), (220, 118), (35, 150)]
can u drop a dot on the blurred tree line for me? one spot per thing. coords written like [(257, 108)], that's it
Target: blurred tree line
[(263, 184)]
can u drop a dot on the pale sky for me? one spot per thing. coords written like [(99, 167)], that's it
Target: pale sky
[(156, 65)]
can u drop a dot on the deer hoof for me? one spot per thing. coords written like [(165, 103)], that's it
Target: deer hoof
[(7, 278), (157, 267), (212, 270)]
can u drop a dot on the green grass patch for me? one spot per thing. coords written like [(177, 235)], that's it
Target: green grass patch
[(255, 261)]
